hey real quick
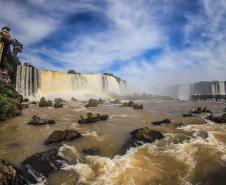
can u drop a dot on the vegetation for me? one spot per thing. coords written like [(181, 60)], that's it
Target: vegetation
[(132, 104), (92, 119), (71, 71), (58, 105), (44, 103), (111, 74), (10, 101), (93, 103)]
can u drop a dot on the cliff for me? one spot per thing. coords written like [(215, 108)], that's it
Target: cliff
[(31, 82)]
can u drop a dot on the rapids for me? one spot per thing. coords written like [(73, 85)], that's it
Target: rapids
[(192, 154)]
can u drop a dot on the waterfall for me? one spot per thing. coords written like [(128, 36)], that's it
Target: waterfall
[(184, 92), (221, 88), (52, 84)]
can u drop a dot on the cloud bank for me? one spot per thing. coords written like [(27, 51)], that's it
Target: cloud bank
[(148, 43)]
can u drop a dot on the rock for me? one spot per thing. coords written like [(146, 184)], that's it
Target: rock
[(200, 110), (58, 105), (35, 120), (41, 164), (9, 175), (73, 99), (217, 119), (91, 151), (165, 121), (44, 103), (187, 115), (65, 135), (92, 119), (116, 101), (201, 134), (146, 135), (132, 104), (139, 137), (179, 125), (93, 103)]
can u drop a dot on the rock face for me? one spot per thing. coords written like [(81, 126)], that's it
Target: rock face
[(92, 119), (141, 136), (35, 120), (41, 164), (218, 119), (165, 121), (9, 175), (65, 135)]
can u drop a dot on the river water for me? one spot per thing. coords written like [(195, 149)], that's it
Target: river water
[(194, 154)]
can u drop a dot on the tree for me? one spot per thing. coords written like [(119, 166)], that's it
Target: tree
[(71, 71)]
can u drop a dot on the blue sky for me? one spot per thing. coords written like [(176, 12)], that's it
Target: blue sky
[(149, 43)]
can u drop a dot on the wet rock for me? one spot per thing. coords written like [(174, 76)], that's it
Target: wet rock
[(35, 120), (187, 115), (165, 121), (179, 125), (9, 175), (41, 164), (92, 119), (201, 134), (91, 151), (139, 137), (200, 110), (93, 103), (217, 119), (132, 104), (65, 135)]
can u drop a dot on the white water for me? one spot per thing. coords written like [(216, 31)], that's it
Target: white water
[(51, 84), (184, 92)]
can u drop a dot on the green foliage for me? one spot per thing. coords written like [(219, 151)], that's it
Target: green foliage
[(92, 118), (143, 132), (116, 101), (44, 103), (200, 110), (59, 100), (9, 101), (132, 104), (71, 71)]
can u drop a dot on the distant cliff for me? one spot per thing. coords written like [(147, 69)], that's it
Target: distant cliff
[(184, 92), (37, 83)]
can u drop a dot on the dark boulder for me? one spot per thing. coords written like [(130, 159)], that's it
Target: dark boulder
[(139, 137), (9, 175), (217, 119), (40, 165), (165, 121), (91, 151), (35, 120), (187, 115), (65, 135), (179, 125)]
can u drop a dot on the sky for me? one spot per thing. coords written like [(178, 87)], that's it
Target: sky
[(148, 43)]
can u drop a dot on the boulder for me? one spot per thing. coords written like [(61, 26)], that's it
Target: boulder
[(40, 165), (139, 137), (187, 115), (91, 151), (9, 175), (217, 119), (65, 135), (35, 120), (165, 121), (92, 119), (200, 110)]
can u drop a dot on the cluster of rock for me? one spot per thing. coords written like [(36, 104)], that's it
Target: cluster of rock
[(35, 120), (200, 110), (217, 118), (92, 119), (58, 103), (93, 103), (132, 104)]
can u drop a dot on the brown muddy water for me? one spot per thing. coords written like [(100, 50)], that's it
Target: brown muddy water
[(194, 154)]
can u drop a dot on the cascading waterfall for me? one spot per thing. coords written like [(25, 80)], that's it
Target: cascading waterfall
[(51, 84), (184, 92)]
